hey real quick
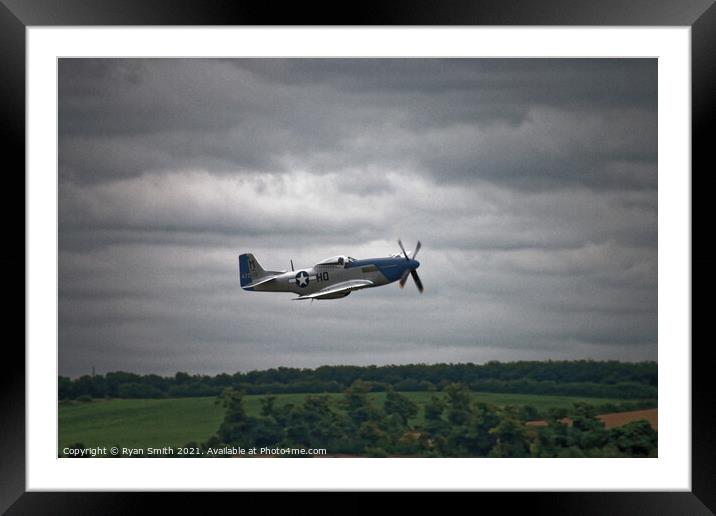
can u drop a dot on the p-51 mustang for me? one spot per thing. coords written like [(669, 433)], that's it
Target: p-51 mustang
[(332, 278)]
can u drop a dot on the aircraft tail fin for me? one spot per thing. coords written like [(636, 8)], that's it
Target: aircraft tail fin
[(251, 273)]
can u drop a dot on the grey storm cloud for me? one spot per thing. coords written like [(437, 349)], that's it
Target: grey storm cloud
[(532, 184)]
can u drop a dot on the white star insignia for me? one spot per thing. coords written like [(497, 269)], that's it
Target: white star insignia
[(302, 279)]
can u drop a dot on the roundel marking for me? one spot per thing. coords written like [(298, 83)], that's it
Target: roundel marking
[(302, 279)]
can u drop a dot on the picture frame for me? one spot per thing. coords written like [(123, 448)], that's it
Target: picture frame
[(16, 16)]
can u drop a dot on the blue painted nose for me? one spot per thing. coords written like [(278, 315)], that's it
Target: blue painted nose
[(414, 264)]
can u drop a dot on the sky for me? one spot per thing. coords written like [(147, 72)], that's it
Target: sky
[(531, 183)]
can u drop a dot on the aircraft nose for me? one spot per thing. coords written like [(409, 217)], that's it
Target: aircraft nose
[(414, 264)]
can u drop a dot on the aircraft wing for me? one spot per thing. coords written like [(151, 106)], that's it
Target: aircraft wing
[(345, 286)]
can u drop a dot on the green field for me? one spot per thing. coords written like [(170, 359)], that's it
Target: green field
[(143, 423)]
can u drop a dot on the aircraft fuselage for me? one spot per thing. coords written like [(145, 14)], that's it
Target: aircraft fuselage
[(380, 271)]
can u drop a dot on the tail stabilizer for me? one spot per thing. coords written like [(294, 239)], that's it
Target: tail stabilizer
[(251, 273)]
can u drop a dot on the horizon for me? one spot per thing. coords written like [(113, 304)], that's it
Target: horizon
[(191, 373)]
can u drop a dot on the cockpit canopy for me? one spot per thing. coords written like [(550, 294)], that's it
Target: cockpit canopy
[(336, 261)]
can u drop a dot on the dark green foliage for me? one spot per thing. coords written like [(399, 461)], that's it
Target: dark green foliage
[(357, 427), (237, 424), (584, 378), (460, 428), (587, 437), (378, 453), (400, 406), (268, 406), (240, 429), (552, 440), (434, 408), (588, 431), (358, 406), (65, 388), (529, 413), (452, 423), (138, 390), (454, 426), (635, 439), (511, 436)]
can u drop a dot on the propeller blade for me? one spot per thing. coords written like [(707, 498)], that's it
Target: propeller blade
[(404, 278), (417, 248), (403, 249), (418, 283)]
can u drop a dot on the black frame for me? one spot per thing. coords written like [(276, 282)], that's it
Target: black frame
[(16, 15)]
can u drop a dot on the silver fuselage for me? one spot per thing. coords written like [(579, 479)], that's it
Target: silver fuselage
[(380, 271)]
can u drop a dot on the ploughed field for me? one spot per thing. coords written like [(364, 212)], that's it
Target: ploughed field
[(615, 419), (142, 423), (622, 418)]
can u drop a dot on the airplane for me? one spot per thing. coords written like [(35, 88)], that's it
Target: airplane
[(332, 278)]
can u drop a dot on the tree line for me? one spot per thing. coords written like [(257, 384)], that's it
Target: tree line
[(586, 378), (454, 426)]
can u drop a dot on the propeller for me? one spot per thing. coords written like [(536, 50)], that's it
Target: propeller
[(418, 283), (404, 278), (411, 272)]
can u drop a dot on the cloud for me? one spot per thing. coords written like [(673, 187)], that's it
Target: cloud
[(531, 183), (536, 123)]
